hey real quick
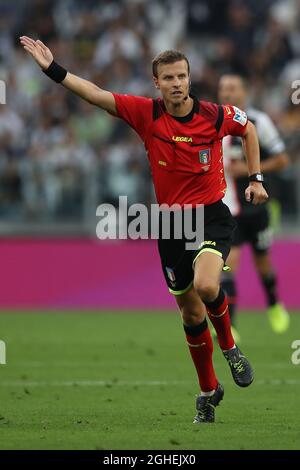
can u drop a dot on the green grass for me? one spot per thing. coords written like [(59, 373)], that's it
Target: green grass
[(125, 381)]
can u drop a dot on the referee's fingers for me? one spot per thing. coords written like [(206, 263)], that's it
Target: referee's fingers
[(249, 194), (27, 39), (40, 43), (29, 48)]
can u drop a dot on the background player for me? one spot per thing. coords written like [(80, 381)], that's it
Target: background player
[(253, 222), (185, 171)]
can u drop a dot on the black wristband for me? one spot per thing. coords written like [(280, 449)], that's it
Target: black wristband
[(56, 72), (258, 177)]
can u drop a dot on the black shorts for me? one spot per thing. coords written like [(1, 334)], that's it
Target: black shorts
[(254, 229), (177, 261)]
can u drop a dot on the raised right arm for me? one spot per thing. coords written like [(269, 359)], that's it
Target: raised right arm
[(83, 88)]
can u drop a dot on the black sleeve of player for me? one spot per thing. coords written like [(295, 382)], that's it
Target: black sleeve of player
[(220, 118)]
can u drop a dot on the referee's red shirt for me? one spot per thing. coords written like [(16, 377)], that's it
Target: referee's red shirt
[(185, 153)]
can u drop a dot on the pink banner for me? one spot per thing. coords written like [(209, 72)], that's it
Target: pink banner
[(88, 274)]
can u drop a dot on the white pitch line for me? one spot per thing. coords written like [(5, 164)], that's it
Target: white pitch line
[(122, 383), (36, 364), (89, 383)]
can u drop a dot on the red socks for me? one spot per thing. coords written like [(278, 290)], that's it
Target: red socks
[(219, 315), (201, 348)]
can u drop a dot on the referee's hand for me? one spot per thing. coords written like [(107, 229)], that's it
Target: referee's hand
[(256, 193), (37, 49)]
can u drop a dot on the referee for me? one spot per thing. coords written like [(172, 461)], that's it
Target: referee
[(183, 139)]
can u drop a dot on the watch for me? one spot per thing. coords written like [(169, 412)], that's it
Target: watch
[(258, 177)]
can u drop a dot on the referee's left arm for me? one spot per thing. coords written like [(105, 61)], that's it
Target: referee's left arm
[(255, 191), (251, 148)]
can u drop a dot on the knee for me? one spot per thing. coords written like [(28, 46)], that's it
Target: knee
[(206, 289), (191, 317)]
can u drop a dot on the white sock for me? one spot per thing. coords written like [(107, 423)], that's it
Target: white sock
[(207, 394), (233, 347)]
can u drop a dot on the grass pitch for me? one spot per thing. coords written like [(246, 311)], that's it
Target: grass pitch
[(125, 381)]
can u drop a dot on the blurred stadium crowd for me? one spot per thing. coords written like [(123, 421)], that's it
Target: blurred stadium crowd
[(60, 157)]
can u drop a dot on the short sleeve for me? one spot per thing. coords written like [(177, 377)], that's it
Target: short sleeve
[(136, 111), (268, 135), (234, 121)]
